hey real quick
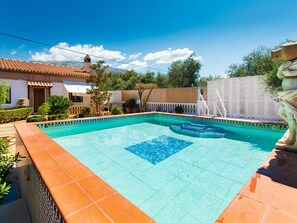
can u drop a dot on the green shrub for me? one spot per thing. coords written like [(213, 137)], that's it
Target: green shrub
[(85, 112), (53, 117), (59, 104), (62, 116), (116, 110), (16, 114), (179, 109), (6, 163), (36, 119), (131, 103), (56, 117), (44, 109), (22, 102)]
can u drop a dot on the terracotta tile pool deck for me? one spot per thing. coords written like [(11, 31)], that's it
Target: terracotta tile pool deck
[(81, 196), (270, 195)]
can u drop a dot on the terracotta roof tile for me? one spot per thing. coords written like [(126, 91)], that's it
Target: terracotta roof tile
[(30, 67), (40, 84)]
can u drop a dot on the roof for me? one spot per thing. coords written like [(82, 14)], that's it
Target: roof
[(31, 67), (40, 84)]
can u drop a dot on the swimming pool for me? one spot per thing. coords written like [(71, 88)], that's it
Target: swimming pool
[(193, 181)]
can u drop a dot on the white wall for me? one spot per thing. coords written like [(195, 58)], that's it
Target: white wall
[(116, 97), (243, 97), (19, 89), (59, 89)]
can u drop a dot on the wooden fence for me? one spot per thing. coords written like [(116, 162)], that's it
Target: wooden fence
[(168, 95)]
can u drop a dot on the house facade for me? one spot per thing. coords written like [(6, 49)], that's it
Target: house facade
[(36, 82)]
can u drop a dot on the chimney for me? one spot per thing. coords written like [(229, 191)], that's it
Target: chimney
[(87, 63)]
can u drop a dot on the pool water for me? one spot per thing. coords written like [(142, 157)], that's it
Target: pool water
[(170, 176)]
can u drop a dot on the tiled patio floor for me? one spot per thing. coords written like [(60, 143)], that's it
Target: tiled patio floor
[(270, 195)]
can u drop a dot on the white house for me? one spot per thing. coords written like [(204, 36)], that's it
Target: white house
[(36, 82)]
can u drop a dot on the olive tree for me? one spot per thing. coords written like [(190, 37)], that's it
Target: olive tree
[(98, 78), (141, 87)]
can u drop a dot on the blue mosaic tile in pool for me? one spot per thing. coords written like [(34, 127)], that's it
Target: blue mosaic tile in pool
[(158, 149)]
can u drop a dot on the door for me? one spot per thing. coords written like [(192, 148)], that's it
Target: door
[(39, 98)]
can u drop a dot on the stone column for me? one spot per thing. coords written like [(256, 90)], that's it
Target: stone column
[(288, 97)]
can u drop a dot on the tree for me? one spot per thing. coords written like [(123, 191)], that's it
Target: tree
[(141, 87), (184, 73), (258, 62), (203, 80), (98, 78), (148, 78), (130, 78), (115, 82), (3, 93), (162, 80)]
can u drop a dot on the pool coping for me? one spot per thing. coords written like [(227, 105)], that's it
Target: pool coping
[(68, 180)]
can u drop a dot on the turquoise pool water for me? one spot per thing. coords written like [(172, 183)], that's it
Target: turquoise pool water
[(170, 176)]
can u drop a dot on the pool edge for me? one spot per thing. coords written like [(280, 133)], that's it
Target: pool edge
[(61, 177), (25, 132)]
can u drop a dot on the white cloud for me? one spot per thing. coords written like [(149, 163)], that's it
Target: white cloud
[(13, 52), (135, 65), (168, 56), (56, 54), (134, 56)]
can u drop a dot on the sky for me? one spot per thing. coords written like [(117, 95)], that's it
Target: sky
[(146, 35)]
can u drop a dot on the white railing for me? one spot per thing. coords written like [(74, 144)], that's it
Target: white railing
[(188, 108), (200, 102)]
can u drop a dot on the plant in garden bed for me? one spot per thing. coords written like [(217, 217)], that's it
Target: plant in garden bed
[(15, 114), (58, 105), (130, 104), (6, 163), (179, 109), (86, 112), (116, 110)]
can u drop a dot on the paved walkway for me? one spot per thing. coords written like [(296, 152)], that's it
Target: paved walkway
[(14, 207)]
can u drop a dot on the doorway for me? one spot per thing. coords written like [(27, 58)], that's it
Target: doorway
[(39, 98)]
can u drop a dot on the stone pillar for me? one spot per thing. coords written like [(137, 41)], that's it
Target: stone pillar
[(288, 97)]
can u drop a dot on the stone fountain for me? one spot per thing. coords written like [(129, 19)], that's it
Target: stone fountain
[(288, 97)]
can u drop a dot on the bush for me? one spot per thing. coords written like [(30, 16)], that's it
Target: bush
[(59, 104), (56, 117), (62, 116), (11, 115), (131, 103), (36, 119), (22, 102), (116, 110), (53, 117), (85, 112), (179, 109), (44, 109), (6, 163)]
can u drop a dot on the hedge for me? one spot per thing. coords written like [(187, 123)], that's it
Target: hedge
[(36, 119), (11, 115)]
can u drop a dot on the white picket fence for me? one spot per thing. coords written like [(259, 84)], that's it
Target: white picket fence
[(188, 108)]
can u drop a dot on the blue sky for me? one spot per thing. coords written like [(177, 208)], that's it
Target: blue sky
[(147, 33)]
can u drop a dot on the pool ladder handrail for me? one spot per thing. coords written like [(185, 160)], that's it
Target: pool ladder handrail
[(199, 107), (216, 107)]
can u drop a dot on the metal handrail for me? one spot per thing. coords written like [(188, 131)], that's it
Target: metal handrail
[(223, 106), (204, 103)]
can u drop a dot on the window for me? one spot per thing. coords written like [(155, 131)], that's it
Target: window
[(8, 100), (75, 98)]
